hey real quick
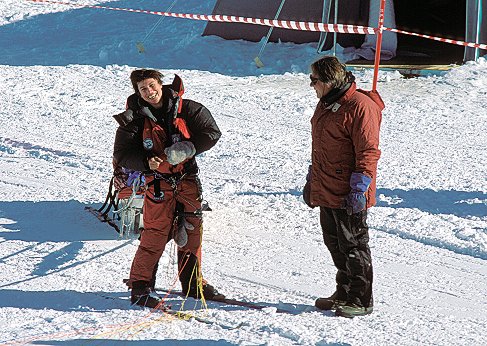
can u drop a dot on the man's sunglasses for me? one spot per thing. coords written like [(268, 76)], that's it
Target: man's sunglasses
[(314, 80)]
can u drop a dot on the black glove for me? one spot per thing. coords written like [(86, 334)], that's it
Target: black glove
[(307, 189)]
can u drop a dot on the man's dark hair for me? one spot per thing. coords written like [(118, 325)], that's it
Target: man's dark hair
[(330, 70), (139, 75)]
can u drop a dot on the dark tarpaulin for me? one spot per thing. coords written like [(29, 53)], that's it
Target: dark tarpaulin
[(455, 19), (349, 12)]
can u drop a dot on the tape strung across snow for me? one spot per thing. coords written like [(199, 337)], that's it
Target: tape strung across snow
[(285, 24)]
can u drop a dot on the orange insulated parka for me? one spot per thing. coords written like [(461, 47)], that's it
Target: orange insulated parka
[(345, 139)]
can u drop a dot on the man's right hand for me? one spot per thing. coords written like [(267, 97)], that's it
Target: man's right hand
[(154, 162), (306, 194), (307, 189)]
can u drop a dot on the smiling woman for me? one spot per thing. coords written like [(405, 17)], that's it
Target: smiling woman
[(161, 139), (151, 91), (148, 85)]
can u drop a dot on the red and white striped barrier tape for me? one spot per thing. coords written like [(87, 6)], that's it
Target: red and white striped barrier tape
[(447, 40), (285, 24)]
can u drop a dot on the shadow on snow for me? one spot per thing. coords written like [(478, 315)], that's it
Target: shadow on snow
[(106, 342), (68, 300), (101, 37), (56, 221), (458, 203)]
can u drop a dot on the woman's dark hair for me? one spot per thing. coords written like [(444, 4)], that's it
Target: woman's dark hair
[(330, 70), (139, 75)]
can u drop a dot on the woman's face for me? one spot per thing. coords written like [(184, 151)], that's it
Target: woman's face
[(151, 91)]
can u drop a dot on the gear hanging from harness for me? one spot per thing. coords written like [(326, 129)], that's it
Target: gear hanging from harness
[(124, 200)]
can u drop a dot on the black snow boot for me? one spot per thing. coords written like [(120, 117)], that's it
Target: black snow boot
[(189, 277), (210, 292), (143, 295), (352, 310), (332, 302)]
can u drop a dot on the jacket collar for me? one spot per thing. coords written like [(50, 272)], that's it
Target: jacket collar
[(336, 95), (167, 100)]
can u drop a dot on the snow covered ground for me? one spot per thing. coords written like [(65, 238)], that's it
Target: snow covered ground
[(64, 73)]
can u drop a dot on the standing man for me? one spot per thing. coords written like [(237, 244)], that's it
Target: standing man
[(342, 180), (160, 134)]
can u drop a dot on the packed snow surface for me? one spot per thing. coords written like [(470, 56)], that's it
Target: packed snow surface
[(64, 73)]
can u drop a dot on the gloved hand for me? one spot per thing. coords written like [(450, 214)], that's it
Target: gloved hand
[(181, 236), (307, 189), (355, 200), (133, 176), (179, 151)]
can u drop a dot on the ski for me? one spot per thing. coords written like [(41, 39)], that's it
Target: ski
[(183, 315), (180, 314), (234, 302)]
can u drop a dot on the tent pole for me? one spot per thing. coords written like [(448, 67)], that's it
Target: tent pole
[(379, 43), (473, 14), (479, 25), (257, 60), (335, 33), (325, 18)]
